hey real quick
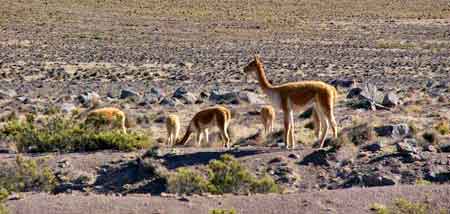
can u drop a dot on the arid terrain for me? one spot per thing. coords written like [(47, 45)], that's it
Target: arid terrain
[(389, 60)]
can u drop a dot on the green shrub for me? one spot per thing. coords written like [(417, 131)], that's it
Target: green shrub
[(187, 181), (3, 209), (26, 175), (66, 135), (222, 211), (443, 127), (404, 206), (227, 175)]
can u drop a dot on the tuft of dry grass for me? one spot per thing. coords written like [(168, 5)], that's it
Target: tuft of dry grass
[(443, 127)]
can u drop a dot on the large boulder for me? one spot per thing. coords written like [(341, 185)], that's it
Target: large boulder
[(219, 97), (396, 130)]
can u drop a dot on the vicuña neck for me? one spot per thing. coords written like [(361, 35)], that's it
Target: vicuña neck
[(262, 79)]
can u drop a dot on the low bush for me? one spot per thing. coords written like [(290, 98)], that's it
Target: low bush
[(222, 211), (443, 127), (404, 206), (66, 135), (187, 181), (225, 175), (26, 175)]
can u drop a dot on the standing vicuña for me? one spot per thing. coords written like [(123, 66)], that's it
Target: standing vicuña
[(108, 115), (267, 118), (213, 116), (173, 128), (296, 96)]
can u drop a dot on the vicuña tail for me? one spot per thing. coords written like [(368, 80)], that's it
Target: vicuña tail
[(185, 137)]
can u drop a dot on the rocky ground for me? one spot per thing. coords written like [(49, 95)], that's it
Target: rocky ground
[(391, 72)]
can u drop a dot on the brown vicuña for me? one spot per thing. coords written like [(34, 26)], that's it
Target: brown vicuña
[(267, 118), (113, 116), (216, 116), (296, 96), (173, 128), (110, 115)]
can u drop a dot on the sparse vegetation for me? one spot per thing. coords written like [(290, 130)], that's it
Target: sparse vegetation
[(187, 181), (357, 135), (443, 127), (431, 137), (404, 206), (222, 211), (26, 175), (225, 175), (395, 44), (422, 182), (67, 135)]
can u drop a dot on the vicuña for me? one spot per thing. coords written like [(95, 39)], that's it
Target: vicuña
[(217, 116), (267, 118), (296, 96), (173, 128)]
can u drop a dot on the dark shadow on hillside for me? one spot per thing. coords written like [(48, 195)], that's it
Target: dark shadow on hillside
[(318, 158), (202, 158), (131, 177)]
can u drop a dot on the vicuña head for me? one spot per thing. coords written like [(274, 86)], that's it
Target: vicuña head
[(297, 96), (173, 128), (216, 116)]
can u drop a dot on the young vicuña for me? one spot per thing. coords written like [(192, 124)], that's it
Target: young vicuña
[(173, 128), (216, 116), (267, 118), (296, 96)]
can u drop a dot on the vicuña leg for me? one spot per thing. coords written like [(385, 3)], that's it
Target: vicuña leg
[(324, 122), (316, 122), (287, 129), (205, 132), (199, 137), (292, 129)]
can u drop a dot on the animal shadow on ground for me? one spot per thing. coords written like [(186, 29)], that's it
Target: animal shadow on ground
[(202, 158), (136, 176), (319, 157)]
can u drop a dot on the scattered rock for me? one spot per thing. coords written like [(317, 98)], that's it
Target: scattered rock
[(180, 92), (430, 148), (391, 100), (169, 101), (87, 99), (67, 108), (224, 98), (354, 92), (277, 160), (342, 83), (251, 98), (318, 158), (294, 156), (397, 130), (7, 93), (128, 93), (437, 174), (373, 147), (23, 99), (445, 147), (377, 180), (405, 148)]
